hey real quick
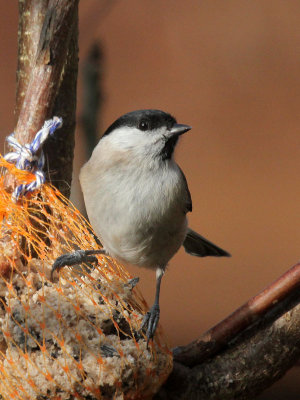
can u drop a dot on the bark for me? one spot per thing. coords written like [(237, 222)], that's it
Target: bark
[(31, 18), (263, 342), (245, 369), (59, 149), (215, 338), (46, 79)]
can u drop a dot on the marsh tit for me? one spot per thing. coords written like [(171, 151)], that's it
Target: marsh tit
[(137, 199)]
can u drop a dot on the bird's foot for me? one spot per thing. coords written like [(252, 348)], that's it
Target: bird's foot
[(75, 257), (150, 322), (133, 282)]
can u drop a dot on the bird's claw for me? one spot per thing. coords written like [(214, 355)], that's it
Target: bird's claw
[(150, 321), (133, 282), (73, 258)]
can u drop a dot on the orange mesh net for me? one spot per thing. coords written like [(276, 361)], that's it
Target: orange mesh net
[(77, 337)]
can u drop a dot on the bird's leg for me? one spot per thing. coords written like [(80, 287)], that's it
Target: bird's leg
[(151, 319), (75, 257)]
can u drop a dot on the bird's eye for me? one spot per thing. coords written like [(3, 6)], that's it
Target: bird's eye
[(144, 125)]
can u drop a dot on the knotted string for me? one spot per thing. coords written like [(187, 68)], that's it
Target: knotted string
[(25, 157)]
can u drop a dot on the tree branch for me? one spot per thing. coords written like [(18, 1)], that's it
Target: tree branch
[(59, 149), (46, 79), (31, 18), (222, 333), (247, 367), (245, 353)]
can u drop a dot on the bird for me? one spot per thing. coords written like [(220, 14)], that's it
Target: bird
[(137, 199)]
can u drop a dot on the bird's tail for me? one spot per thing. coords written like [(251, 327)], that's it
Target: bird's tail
[(197, 245)]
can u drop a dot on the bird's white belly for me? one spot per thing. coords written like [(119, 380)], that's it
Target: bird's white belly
[(150, 247), (145, 223)]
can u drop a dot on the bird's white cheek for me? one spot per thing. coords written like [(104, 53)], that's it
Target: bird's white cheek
[(139, 144)]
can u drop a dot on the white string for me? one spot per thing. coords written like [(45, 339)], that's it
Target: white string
[(25, 156)]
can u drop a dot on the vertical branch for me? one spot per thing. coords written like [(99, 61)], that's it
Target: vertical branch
[(59, 149), (31, 18), (46, 79)]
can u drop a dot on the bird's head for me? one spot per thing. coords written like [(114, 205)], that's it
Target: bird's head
[(145, 133)]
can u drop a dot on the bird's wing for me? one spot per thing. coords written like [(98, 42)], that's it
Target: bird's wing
[(197, 245), (188, 204)]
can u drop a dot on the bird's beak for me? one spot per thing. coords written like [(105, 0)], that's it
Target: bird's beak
[(179, 129)]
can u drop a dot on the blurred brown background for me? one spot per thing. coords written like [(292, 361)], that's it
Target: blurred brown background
[(232, 71)]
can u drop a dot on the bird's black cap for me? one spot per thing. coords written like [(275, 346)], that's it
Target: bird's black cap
[(143, 120)]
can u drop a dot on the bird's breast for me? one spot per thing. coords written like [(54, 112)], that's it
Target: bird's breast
[(137, 212)]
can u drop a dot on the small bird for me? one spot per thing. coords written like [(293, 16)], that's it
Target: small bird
[(137, 199)]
